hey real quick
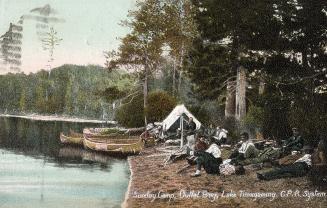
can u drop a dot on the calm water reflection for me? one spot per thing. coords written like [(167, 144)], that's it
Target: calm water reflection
[(36, 171)]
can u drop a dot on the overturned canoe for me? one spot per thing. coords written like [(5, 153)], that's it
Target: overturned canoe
[(71, 139), (133, 145)]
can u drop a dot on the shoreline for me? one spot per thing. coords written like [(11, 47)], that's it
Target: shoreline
[(127, 193), (57, 118), (153, 184)]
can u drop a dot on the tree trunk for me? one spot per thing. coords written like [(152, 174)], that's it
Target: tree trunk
[(230, 100), (240, 99), (261, 86), (174, 76), (180, 69), (145, 90)]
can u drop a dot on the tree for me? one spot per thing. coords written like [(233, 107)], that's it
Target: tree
[(179, 31), (231, 30), (159, 98), (49, 42), (141, 49)]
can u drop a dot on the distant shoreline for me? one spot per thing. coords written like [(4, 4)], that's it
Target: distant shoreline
[(57, 118)]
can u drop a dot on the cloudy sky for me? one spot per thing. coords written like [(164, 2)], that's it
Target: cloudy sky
[(87, 28)]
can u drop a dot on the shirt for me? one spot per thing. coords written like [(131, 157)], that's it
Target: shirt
[(245, 146), (221, 133), (214, 150), (306, 158)]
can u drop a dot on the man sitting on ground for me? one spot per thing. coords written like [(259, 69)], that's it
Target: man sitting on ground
[(319, 164), (220, 135), (209, 159), (247, 150), (294, 143)]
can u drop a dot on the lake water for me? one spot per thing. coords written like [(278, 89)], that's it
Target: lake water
[(37, 171)]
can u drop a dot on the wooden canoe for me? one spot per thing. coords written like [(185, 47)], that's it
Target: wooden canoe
[(133, 145), (71, 139), (111, 132)]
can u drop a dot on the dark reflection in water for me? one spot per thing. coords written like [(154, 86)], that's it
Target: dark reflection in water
[(35, 137), (35, 167)]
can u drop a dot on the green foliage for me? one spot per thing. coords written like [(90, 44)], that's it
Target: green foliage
[(160, 104), (131, 113), (69, 89), (208, 112), (310, 118), (254, 117)]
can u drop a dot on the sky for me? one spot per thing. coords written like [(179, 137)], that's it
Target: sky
[(86, 27)]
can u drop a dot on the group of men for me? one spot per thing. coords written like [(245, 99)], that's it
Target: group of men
[(292, 159)]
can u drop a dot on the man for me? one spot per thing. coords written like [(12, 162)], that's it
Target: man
[(294, 143), (220, 135), (268, 154), (299, 168), (319, 164), (190, 131), (247, 149), (209, 159)]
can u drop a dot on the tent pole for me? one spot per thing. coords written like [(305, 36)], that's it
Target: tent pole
[(182, 130)]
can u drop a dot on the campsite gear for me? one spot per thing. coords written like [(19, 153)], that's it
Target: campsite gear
[(73, 138), (226, 169), (132, 145), (289, 159)]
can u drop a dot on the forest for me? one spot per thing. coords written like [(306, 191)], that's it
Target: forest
[(67, 90), (258, 65)]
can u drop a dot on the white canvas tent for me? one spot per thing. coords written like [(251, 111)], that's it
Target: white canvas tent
[(172, 121)]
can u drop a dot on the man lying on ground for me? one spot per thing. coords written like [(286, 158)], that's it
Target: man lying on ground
[(299, 168), (268, 154)]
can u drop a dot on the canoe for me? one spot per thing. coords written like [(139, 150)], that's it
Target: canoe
[(71, 139), (133, 145), (107, 132)]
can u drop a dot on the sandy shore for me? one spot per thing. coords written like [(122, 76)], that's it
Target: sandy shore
[(153, 184)]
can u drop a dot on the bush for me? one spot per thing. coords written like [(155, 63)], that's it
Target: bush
[(160, 104), (131, 114), (207, 113), (253, 120)]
